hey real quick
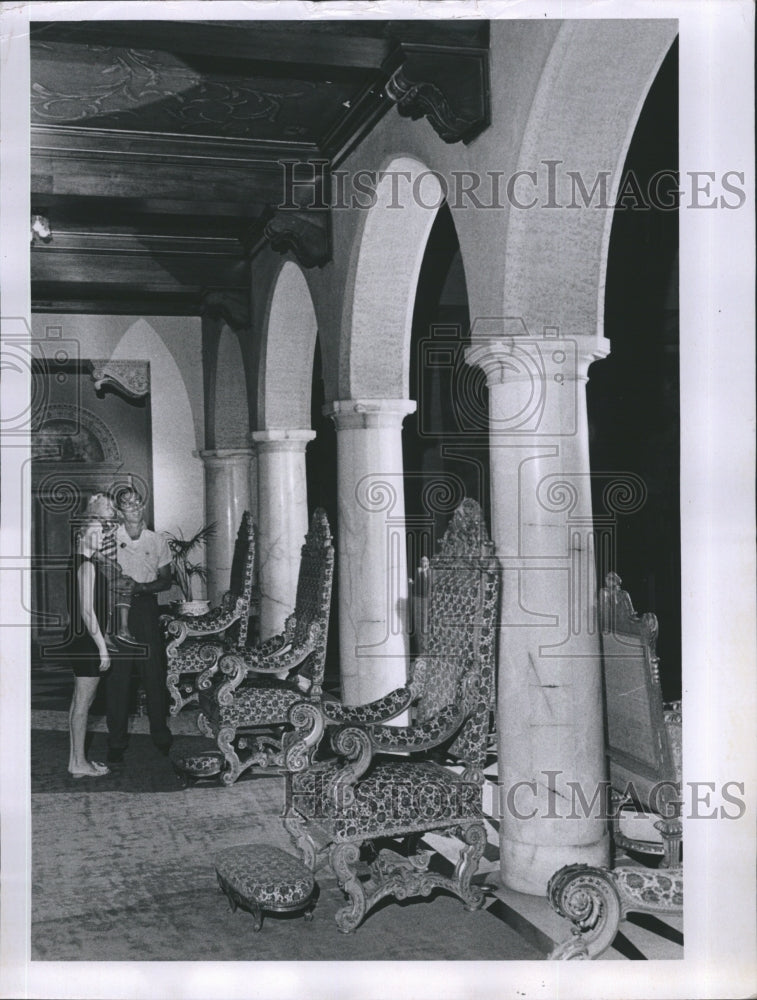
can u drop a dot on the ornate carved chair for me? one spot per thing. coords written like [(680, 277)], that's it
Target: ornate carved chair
[(195, 644), (247, 709), (644, 758), (345, 807)]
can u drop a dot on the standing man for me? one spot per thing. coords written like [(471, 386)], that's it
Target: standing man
[(145, 558)]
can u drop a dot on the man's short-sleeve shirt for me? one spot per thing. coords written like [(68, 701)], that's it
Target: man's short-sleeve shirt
[(141, 558)]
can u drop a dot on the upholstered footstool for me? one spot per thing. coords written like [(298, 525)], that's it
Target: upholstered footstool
[(261, 877)]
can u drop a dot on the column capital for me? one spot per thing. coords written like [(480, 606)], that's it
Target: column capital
[(351, 414), (225, 456), (281, 440), (521, 358)]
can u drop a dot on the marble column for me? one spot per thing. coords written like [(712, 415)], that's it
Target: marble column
[(253, 483), (282, 521), (227, 497), (550, 714), (371, 553)]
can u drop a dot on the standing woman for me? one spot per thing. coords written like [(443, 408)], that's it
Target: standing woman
[(89, 654)]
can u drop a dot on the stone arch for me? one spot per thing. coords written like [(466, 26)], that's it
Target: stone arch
[(178, 482), (231, 418), (585, 110), (382, 280), (284, 428), (286, 363)]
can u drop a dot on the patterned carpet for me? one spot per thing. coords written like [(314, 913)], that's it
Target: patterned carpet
[(123, 865), (123, 869), (125, 872)]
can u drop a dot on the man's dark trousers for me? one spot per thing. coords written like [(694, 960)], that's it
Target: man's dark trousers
[(149, 661)]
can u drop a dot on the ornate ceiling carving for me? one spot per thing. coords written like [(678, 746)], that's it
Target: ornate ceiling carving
[(159, 148), (161, 92)]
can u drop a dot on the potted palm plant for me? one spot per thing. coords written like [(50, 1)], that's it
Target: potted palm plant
[(184, 571)]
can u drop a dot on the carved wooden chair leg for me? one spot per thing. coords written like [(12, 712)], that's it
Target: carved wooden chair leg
[(205, 679), (226, 737), (343, 859), (308, 914), (302, 840), (467, 865), (172, 683), (204, 726), (257, 916)]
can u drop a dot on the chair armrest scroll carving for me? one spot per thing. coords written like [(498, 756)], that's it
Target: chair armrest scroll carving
[(178, 630), (210, 653), (233, 666), (354, 744), (308, 724)]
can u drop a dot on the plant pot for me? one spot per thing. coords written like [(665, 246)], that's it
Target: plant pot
[(193, 608)]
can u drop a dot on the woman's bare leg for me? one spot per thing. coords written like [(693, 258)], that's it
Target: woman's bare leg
[(84, 694)]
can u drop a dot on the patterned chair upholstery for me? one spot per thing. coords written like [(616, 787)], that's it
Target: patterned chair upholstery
[(195, 644), (340, 808), (262, 878), (248, 707), (644, 763)]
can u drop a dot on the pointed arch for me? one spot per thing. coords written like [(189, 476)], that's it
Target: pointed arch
[(231, 417), (382, 281), (178, 482), (286, 369), (581, 122)]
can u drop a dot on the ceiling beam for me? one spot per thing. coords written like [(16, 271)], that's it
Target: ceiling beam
[(202, 188), (253, 42), (222, 249), (174, 174), (101, 300), (144, 269)]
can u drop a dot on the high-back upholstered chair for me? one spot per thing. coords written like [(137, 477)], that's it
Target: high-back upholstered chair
[(341, 806), (643, 740), (257, 686), (196, 643)]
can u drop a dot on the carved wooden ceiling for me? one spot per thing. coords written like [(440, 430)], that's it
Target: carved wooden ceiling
[(157, 146)]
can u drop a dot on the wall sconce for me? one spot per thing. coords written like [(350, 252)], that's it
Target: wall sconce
[(40, 229)]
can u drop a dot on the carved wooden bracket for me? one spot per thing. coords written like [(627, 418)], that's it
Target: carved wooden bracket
[(449, 88), (229, 305), (128, 378), (306, 232)]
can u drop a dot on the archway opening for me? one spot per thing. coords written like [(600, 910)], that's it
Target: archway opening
[(231, 421), (444, 461), (321, 476), (633, 395)]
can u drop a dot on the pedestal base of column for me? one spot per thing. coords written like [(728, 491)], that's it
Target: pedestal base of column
[(529, 867)]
